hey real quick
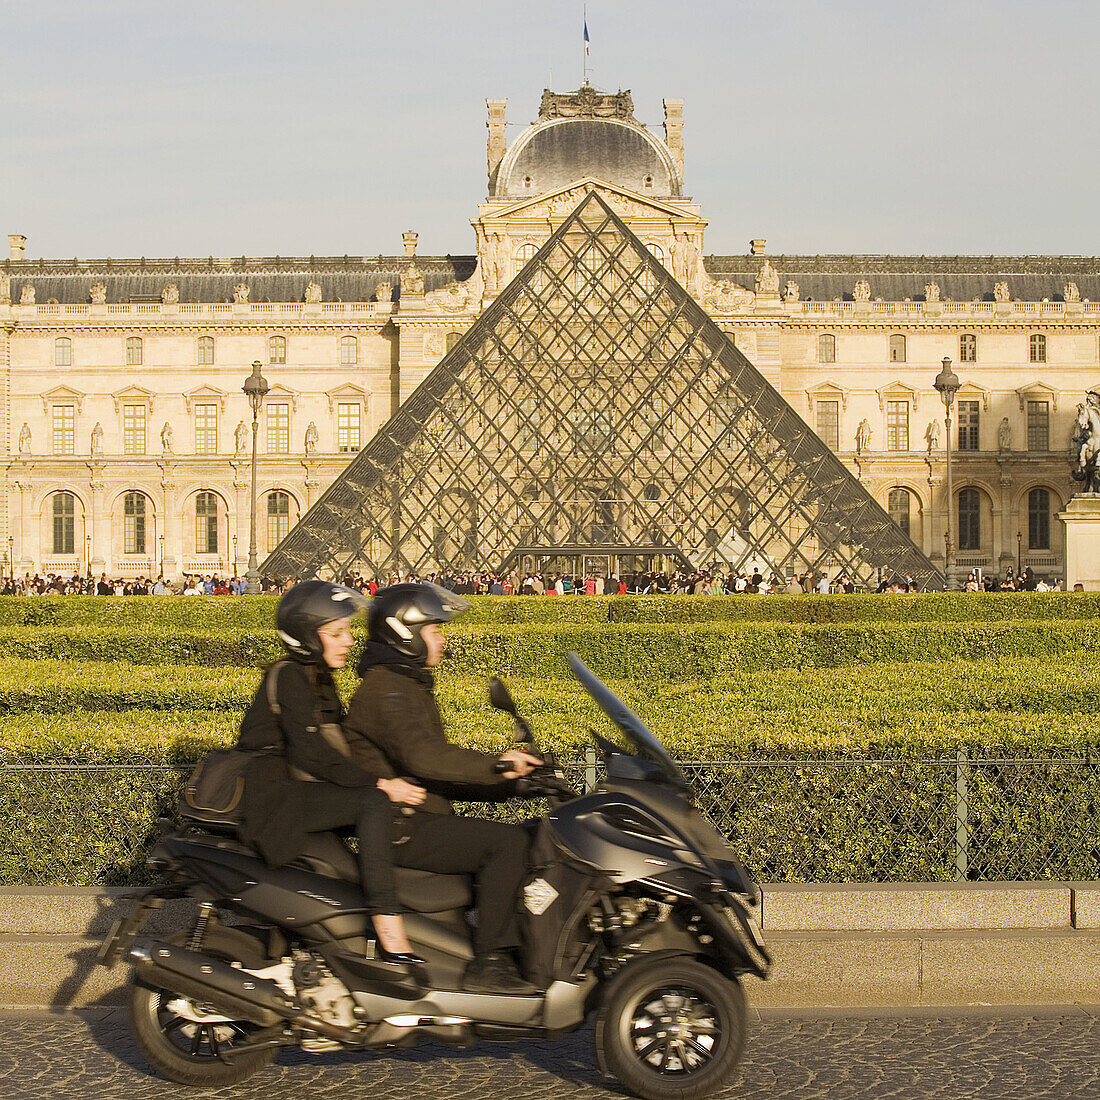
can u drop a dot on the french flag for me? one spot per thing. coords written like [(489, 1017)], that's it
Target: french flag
[(586, 36)]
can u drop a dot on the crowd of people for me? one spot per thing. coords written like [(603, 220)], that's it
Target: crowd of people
[(704, 582)]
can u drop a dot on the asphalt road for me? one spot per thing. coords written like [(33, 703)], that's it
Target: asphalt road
[(974, 1056)]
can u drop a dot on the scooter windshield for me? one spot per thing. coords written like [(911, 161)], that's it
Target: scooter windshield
[(631, 725)]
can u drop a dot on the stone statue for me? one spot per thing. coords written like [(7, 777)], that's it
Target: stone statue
[(98, 294), (240, 294), (313, 294), (863, 436), (862, 291), (792, 293), (166, 438), (1004, 435), (384, 292), (931, 292), (767, 279), (26, 296), (1070, 292), (25, 439), (97, 439), (1086, 442), (312, 438), (412, 281), (240, 437), (1000, 292), (170, 295), (932, 435)]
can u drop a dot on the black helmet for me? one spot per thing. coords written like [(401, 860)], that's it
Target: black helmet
[(306, 607), (397, 613)]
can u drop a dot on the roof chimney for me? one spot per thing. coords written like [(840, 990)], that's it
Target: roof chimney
[(495, 125), (409, 239), (756, 246), (674, 132), (17, 244)]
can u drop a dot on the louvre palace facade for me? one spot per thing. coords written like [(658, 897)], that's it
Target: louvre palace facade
[(127, 437)]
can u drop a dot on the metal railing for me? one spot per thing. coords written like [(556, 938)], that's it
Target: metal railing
[(962, 817)]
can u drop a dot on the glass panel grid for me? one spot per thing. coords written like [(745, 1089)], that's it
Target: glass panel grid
[(64, 429), (278, 428), (828, 423), (133, 429), (206, 429), (897, 425), (348, 415)]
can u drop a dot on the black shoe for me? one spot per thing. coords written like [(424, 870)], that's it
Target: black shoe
[(405, 957), (495, 973)]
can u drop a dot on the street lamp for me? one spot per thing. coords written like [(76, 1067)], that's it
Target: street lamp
[(947, 384), (1019, 553), (88, 553), (11, 556), (256, 389), (161, 555)]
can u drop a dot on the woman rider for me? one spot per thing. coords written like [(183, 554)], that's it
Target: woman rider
[(306, 782)]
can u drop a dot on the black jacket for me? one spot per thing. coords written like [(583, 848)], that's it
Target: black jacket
[(394, 729), (272, 818)]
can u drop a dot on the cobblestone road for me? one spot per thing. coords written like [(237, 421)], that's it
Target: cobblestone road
[(953, 1057)]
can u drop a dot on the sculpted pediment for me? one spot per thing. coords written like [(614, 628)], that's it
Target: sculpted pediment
[(62, 395), (625, 203), (133, 395)]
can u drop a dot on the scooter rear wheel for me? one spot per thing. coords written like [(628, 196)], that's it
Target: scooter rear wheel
[(671, 1028), (175, 1039)]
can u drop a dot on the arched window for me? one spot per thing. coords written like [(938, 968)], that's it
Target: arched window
[(278, 518), (1038, 519), (452, 339), (349, 351), (524, 253), (970, 519), (206, 351), (63, 352), (206, 523), (658, 252), (133, 351), (898, 506), (968, 348), (64, 523), (276, 349), (826, 348), (133, 516), (897, 348), (1037, 348)]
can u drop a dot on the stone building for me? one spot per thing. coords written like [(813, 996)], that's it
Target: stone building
[(127, 438)]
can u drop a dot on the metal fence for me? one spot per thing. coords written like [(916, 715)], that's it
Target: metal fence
[(965, 817)]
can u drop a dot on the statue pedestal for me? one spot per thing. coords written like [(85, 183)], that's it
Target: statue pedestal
[(1082, 520)]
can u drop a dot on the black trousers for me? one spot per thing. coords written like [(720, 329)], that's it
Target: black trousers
[(494, 852), (366, 812)]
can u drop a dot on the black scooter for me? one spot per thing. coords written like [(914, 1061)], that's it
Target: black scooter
[(640, 913)]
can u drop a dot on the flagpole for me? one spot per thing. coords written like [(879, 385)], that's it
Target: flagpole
[(584, 46)]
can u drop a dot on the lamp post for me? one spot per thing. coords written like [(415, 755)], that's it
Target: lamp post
[(1019, 554), (234, 555), (256, 389), (88, 553), (947, 384), (11, 556), (161, 555)]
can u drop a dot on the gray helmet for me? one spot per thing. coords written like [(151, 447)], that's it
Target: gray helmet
[(398, 613), (306, 607)]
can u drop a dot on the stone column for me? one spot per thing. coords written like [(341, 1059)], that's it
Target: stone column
[(170, 520), (1009, 525), (100, 522), (22, 550), (242, 482)]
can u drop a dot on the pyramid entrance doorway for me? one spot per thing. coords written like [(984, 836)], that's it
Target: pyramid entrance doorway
[(595, 413)]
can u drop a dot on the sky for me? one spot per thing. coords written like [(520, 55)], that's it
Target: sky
[(327, 127)]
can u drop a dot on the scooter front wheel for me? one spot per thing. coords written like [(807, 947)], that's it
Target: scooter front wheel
[(671, 1028), (184, 1040)]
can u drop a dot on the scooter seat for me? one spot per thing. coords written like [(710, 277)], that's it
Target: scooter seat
[(427, 892)]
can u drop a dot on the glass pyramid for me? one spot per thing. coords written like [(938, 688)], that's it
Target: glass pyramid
[(595, 414)]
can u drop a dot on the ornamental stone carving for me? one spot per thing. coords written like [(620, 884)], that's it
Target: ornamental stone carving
[(412, 280), (1004, 435), (726, 297), (384, 292), (240, 294), (312, 439), (97, 439), (25, 439), (433, 343), (931, 292), (792, 293), (1000, 292), (767, 279), (862, 291), (26, 296), (1070, 292), (166, 438), (170, 295), (313, 294), (932, 435), (240, 437), (98, 294), (863, 436)]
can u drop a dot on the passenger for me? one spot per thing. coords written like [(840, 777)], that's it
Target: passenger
[(395, 727), (306, 782)]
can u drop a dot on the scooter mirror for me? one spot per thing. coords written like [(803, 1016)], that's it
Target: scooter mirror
[(500, 697)]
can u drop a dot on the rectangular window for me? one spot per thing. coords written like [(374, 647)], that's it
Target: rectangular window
[(897, 348), (278, 428), (347, 427), (968, 425), (1038, 426), (133, 351), (826, 348), (897, 425), (206, 429), (64, 429), (828, 423), (133, 429), (968, 348)]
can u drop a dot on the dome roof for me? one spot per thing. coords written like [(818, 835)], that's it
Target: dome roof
[(587, 133)]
